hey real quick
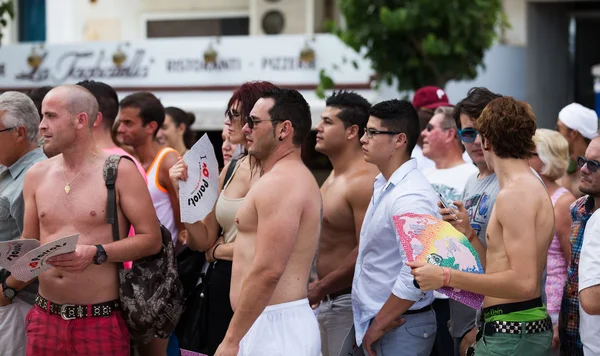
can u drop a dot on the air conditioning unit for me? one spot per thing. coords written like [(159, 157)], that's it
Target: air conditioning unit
[(278, 17)]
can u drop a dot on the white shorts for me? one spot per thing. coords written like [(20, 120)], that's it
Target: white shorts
[(287, 329)]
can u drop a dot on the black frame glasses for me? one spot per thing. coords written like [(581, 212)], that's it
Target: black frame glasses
[(7, 129), (465, 135), (232, 114), (591, 164), (372, 132), (251, 122)]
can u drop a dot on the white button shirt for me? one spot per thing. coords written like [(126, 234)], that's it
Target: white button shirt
[(381, 264)]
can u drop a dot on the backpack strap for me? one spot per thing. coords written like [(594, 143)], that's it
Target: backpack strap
[(110, 178)]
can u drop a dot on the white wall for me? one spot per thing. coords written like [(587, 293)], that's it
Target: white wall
[(516, 13), (120, 20)]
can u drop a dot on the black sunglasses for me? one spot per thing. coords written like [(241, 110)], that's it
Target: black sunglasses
[(591, 164), (252, 121), (468, 135), (6, 129)]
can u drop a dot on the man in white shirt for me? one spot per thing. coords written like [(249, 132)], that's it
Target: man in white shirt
[(589, 259), (391, 315), (425, 101), (441, 144)]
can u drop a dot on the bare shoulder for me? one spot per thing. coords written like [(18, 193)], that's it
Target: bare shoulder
[(362, 175), (290, 181), (128, 168), (170, 159), (360, 181), (565, 201), (40, 169)]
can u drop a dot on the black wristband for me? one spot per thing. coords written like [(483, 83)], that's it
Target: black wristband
[(213, 253)]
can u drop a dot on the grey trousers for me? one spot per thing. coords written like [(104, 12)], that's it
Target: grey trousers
[(13, 340), (413, 338), (335, 321)]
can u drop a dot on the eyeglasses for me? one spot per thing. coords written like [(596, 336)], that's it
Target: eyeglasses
[(591, 164), (8, 128), (372, 132), (252, 121), (231, 114), (468, 135)]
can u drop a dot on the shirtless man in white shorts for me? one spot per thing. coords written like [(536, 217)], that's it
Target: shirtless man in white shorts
[(279, 225)]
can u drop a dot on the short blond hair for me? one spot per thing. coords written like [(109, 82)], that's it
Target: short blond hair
[(553, 150)]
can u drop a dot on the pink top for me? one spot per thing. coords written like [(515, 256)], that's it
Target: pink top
[(121, 152), (556, 268)]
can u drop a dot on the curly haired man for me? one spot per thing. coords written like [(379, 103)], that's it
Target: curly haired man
[(518, 236)]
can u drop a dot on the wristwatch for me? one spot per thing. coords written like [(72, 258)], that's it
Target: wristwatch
[(100, 256), (9, 292)]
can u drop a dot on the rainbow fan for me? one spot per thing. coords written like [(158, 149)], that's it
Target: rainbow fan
[(426, 238)]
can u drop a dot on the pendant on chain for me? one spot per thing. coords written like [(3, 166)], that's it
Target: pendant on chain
[(67, 189)]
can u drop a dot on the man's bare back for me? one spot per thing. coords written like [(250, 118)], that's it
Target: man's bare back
[(345, 200), (291, 190), (513, 213), (82, 211)]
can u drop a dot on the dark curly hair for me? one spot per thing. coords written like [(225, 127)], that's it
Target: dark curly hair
[(508, 125)]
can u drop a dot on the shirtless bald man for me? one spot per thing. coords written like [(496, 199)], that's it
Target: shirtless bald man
[(77, 309), (518, 236), (279, 225), (346, 194)]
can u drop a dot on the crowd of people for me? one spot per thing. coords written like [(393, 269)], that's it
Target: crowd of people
[(281, 266)]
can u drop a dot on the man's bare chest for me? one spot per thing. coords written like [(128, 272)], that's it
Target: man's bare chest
[(83, 205), (337, 212)]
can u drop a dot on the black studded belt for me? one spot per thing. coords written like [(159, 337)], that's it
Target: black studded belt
[(73, 311)]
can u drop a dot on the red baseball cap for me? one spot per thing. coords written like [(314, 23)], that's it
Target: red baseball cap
[(430, 97)]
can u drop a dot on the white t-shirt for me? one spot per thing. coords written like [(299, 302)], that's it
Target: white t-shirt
[(424, 162), (450, 183), (589, 276)]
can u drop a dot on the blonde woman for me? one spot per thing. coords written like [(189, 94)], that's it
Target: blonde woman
[(550, 161)]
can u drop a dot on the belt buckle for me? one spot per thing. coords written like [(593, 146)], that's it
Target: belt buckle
[(63, 312)]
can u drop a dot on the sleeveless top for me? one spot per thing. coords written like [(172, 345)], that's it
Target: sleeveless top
[(226, 209), (160, 196), (556, 267)]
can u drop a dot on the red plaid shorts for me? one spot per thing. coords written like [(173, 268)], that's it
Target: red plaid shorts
[(51, 335)]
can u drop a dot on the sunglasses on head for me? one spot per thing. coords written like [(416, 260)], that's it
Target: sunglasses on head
[(591, 164), (232, 114), (468, 135)]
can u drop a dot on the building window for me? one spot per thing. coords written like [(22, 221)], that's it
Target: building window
[(226, 26), (31, 18)]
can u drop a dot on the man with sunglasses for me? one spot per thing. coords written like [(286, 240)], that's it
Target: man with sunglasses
[(19, 121), (519, 233), (425, 101), (391, 315), (279, 224), (346, 195), (474, 207), (579, 323), (441, 144), (578, 125)]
